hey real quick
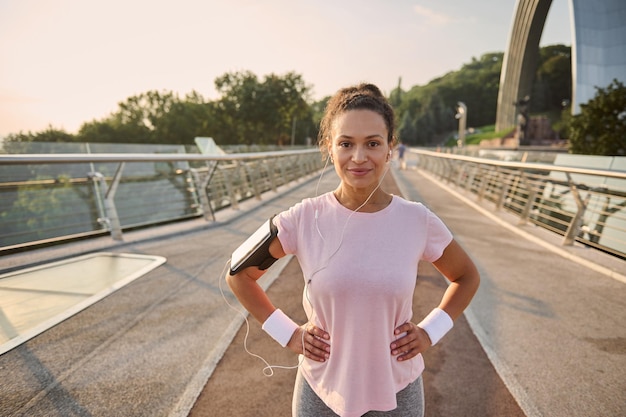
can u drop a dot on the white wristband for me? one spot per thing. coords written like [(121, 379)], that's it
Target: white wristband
[(437, 323), (280, 327)]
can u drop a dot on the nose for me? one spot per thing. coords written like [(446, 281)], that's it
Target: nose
[(359, 155)]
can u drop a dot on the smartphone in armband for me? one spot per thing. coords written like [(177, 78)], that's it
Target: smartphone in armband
[(255, 250)]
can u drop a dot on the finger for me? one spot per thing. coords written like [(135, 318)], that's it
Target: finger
[(408, 355), (316, 331), (319, 344), (405, 334), (314, 347), (316, 353)]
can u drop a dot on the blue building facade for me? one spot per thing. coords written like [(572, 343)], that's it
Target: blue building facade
[(598, 52)]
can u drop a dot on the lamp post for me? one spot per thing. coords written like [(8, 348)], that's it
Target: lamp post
[(461, 114), (522, 120)]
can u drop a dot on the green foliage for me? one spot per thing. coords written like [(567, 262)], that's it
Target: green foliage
[(49, 135), (427, 112), (485, 132), (41, 207), (262, 112), (153, 117), (563, 122), (600, 128), (553, 81), (276, 108)]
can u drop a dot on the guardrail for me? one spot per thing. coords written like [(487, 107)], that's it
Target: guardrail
[(46, 198), (583, 205)]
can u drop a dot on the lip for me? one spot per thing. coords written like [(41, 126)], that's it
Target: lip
[(359, 172)]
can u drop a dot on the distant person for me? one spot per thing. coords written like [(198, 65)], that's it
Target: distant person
[(359, 248), (401, 150)]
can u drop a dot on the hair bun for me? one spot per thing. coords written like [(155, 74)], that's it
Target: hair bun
[(371, 88)]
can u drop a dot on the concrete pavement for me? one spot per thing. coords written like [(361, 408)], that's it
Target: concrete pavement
[(552, 327), (459, 380), (550, 320)]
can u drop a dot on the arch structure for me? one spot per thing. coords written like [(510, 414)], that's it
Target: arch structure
[(598, 52)]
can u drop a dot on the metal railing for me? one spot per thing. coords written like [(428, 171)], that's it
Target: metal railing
[(54, 197), (583, 205)]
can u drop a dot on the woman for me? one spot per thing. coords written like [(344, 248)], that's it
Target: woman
[(359, 249)]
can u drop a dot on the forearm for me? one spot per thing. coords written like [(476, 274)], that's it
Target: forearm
[(251, 296), (459, 294), (464, 279)]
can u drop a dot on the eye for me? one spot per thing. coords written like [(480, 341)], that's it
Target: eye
[(344, 144), (374, 144)]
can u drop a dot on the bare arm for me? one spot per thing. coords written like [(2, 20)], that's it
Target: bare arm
[(247, 290), (464, 279), (254, 299)]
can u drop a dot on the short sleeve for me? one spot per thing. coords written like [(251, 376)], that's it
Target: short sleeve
[(438, 237), (287, 224)]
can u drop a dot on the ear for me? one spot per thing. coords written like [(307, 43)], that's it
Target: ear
[(330, 154)]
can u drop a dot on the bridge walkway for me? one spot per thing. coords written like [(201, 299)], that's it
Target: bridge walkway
[(546, 330)]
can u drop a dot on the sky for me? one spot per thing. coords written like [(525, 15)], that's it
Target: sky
[(67, 62)]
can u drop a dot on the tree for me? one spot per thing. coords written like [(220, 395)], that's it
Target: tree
[(406, 130), (261, 112), (553, 81), (101, 131), (142, 115), (187, 119), (431, 107), (154, 117), (266, 111), (51, 134), (600, 128)]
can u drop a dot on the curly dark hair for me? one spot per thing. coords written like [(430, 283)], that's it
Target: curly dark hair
[(363, 96)]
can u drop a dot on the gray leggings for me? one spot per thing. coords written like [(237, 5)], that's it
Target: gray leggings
[(307, 404)]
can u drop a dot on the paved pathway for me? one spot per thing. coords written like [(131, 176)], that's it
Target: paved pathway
[(550, 320), (552, 327), (238, 387)]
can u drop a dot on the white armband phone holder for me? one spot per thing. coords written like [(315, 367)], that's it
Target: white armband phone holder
[(255, 250), (436, 324)]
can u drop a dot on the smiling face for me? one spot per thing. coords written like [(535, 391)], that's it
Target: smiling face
[(360, 149)]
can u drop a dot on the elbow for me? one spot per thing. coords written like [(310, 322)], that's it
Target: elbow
[(231, 281), (476, 282), (239, 281), (473, 276)]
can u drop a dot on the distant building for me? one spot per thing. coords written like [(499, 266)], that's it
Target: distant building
[(598, 52)]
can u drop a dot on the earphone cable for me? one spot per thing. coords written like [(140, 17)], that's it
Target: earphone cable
[(268, 370)]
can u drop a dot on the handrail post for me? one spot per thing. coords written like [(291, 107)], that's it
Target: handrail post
[(504, 190), (484, 182), (254, 177), (234, 202), (576, 222), (281, 166), (111, 219), (530, 201), (116, 227), (460, 173), (201, 186), (470, 178), (271, 171)]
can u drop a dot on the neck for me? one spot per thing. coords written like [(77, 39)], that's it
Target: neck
[(364, 200)]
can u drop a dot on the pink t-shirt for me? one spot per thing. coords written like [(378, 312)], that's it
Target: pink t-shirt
[(361, 270)]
